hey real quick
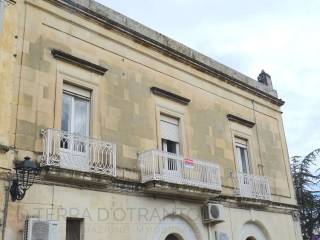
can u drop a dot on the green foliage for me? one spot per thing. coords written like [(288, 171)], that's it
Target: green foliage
[(306, 182)]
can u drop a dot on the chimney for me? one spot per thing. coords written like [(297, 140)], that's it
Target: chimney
[(265, 79)]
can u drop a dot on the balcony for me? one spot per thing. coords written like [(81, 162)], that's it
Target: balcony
[(74, 152), (167, 167), (253, 187)]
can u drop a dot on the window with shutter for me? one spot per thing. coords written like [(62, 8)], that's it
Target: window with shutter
[(170, 136), (242, 155), (75, 122), (170, 139)]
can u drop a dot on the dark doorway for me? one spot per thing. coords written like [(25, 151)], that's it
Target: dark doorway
[(73, 230)]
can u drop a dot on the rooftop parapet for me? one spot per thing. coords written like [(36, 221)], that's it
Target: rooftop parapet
[(168, 46)]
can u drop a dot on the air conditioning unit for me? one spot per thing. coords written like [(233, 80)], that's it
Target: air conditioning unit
[(213, 213), (36, 229)]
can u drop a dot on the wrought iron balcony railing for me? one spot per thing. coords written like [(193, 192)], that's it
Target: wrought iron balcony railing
[(168, 167), (79, 153), (251, 186)]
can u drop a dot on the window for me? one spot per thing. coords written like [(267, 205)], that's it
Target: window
[(170, 138), (74, 229), (75, 110), (172, 237), (242, 155), (169, 128), (250, 238), (75, 118)]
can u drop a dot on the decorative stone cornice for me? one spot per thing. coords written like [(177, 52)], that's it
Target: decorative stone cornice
[(169, 95), (150, 38), (240, 120), (66, 57), (239, 202)]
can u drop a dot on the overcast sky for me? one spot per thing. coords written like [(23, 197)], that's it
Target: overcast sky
[(281, 37)]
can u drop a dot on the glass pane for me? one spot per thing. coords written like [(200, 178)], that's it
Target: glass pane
[(171, 147), (238, 158), (66, 119), (81, 117), (244, 160), (66, 113)]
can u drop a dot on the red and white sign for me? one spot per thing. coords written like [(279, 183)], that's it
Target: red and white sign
[(188, 162)]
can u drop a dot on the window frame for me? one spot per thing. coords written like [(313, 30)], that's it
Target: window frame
[(164, 110), (247, 155), (80, 78), (81, 226), (164, 141), (76, 92), (248, 139)]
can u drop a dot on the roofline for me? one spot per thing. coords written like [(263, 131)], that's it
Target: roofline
[(167, 46)]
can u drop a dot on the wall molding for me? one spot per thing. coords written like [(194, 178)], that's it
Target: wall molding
[(240, 120), (174, 97), (66, 57)]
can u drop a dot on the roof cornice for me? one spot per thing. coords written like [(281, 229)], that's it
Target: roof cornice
[(150, 38)]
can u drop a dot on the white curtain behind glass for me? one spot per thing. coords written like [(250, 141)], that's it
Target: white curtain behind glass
[(66, 113), (75, 114), (81, 116)]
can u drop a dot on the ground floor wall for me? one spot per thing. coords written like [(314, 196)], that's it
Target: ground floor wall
[(124, 215)]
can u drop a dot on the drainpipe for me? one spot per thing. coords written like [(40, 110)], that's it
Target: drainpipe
[(209, 231), (5, 208)]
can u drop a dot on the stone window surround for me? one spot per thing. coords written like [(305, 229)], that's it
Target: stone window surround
[(237, 133), (169, 95), (175, 110), (69, 74), (240, 120), (66, 57)]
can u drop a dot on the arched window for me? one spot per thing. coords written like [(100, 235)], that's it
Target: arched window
[(173, 237), (251, 238), (252, 231)]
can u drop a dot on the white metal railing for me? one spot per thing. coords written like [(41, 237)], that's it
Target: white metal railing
[(168, 167), (80, 153), (251, 186)]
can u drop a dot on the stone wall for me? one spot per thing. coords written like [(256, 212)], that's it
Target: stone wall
[(124, 111), (123, 106), (128, 216)]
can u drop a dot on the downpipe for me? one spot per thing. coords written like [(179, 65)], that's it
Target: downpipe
[(5, 209)]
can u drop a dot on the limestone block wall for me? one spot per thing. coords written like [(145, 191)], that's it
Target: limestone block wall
[(126, 216), (123, 107), (9, 58)]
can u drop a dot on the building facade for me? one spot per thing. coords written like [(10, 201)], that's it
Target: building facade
[(137, 135)]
